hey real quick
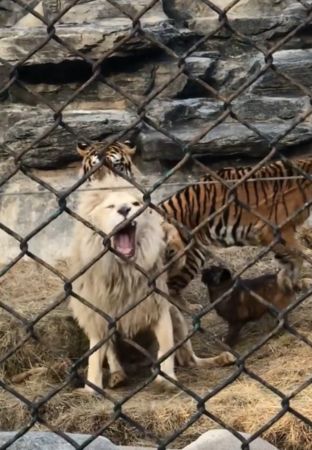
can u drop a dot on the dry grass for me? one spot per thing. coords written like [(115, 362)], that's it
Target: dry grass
[(41, 365)]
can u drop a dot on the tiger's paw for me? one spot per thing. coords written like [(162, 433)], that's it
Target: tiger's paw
[(226, 359), (221, 360), (117, 378)]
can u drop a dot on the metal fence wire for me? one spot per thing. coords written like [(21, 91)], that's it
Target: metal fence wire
[(38, 408)]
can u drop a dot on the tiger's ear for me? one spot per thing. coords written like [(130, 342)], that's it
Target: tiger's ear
[(82, 148), (129, 149)]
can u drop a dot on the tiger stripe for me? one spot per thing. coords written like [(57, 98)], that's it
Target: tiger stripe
[(276, 200)]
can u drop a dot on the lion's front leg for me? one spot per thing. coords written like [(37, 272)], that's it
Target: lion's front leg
[(95, 364)]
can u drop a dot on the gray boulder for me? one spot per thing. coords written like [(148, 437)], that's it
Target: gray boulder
[(224, 440), (34, 440), (294, 63), (225, 140)]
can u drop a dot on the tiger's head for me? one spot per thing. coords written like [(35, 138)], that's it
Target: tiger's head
[(116, 156)]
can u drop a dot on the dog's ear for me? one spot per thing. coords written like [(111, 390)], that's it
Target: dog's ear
[(225, 275), (82, 148), (216, 275), (130, 148), (209, 275)]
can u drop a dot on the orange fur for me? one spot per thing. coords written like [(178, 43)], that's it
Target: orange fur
[(252, 207)]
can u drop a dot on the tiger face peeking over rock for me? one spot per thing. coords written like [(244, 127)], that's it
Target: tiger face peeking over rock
[(116, 158)]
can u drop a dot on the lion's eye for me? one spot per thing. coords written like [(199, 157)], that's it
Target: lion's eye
[(136, 204), (110, 206)]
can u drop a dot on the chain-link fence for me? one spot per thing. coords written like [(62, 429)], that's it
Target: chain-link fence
[(266, 391)]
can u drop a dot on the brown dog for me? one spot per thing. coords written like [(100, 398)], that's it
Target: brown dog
[(240, 305)]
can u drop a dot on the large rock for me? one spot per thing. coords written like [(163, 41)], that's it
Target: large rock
[(35, 440), (89, 11), (146, 75), (224, 440), (249, 107), (257, 19), (11, 12), (58, 148), (92, 40), (225, 140), (181, 118), (56, 83), (197, 8), (294, 63)]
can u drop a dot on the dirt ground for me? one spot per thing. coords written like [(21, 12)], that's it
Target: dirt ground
[(41, 364)]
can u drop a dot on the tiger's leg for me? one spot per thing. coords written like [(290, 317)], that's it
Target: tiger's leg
[(288, 252), (174, 245), (195, 260), (185, 354), (180, 301)]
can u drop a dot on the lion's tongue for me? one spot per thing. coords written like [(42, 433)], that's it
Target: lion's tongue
[(124, 243)]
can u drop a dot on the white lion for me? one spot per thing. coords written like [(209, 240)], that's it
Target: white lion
[(115, 286)]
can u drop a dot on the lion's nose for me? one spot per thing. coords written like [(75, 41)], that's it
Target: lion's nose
[(124, 210)]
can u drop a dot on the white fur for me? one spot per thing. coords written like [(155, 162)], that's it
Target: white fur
[(113, 285)]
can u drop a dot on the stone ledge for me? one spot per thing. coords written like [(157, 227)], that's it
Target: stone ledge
[(183, 118), (93, 40)]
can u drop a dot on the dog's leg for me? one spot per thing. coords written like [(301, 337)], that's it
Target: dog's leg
[(95, 365), (164, 334), (117, 374), (233, 333)]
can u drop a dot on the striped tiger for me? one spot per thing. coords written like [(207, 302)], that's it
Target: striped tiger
[(270, 200)]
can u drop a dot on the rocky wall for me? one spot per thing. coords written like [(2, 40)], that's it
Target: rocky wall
[(140, 68)]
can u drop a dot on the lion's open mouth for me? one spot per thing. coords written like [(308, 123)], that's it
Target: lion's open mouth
[(124, 240)]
